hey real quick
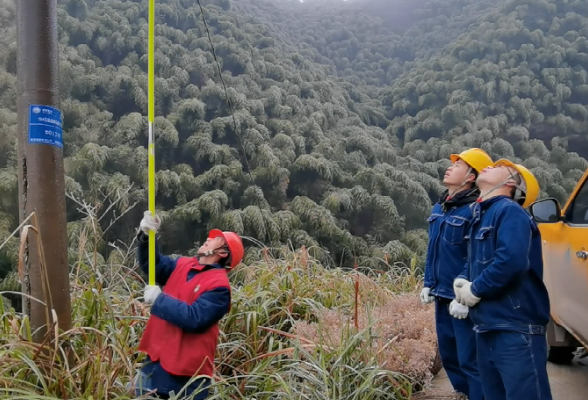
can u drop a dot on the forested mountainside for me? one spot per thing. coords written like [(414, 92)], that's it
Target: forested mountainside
[(369, 42), (342, 119)]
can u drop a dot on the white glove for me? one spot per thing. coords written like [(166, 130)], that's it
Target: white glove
[(457, 285), (152, 292), (149, 222), (467, 298), (457, 310), (425, 297)]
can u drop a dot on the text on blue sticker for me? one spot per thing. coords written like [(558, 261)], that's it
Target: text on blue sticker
[(45, 125)]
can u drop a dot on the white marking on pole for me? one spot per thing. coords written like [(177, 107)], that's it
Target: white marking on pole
[(151, 139)]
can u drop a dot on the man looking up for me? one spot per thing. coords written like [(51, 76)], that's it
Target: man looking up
[(182, 333), (446, 255), (503, 286)]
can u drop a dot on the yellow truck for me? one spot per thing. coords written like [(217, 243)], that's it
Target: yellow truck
[(564, 231)]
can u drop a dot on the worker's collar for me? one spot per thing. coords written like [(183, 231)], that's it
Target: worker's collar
[(461, 198), (479, 206), (487, 203), (200, 267)]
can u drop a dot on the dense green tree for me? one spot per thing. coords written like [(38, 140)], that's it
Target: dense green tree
[(329, 125)]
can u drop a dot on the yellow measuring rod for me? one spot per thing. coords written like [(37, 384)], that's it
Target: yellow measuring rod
[(151, 149)]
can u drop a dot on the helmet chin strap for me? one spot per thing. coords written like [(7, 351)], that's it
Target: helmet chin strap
[(520, 193), (450, 195), (212, 252), (462, 184)]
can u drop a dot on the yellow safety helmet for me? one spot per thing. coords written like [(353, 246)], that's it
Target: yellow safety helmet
[(530, 186), (476, 158)]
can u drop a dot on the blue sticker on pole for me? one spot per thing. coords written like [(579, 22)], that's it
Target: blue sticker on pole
[(45, 125)]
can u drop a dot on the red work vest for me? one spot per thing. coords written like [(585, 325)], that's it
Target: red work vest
[(181, 353)]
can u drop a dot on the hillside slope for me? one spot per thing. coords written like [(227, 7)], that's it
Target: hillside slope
[(370, 42), (310, 144), (518, 82)]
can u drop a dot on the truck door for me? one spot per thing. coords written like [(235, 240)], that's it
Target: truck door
[(571, 248)]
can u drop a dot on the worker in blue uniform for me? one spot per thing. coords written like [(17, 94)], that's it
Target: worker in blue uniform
[(446, 257), (503, 287)]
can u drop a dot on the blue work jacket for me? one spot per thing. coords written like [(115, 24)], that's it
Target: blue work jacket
[(505, 266), (447, 249)]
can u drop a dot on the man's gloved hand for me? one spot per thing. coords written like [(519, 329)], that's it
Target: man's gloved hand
[(457, 285), (467, 298), (149, 222), (457, 310), (152, 292), (425, 297)]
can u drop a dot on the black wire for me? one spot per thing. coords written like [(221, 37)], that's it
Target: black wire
[(238, 127)]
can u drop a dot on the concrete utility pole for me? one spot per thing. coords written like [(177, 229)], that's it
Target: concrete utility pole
[(40, 163)]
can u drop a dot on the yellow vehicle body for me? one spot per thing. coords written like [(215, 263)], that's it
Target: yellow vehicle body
[(564, 231)]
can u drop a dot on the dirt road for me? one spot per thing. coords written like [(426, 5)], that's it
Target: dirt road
[(567, 382)]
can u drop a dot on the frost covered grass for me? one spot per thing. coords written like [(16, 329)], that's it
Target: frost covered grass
[(296, 331)]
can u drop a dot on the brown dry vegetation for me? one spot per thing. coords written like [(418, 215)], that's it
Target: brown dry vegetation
[(291, 333), (403, 332)]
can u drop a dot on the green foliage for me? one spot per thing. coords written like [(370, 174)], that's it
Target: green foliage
[(345, 113)]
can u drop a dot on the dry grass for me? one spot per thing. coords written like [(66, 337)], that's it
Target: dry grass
[(296, 331), (291, 334), (403, 333)]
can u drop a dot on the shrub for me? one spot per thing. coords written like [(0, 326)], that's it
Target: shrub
[(290, 334)]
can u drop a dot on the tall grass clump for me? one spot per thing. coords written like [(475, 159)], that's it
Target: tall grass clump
[(296, 330)]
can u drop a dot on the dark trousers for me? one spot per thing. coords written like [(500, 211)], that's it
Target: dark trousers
[(457, 347), (513, 366), (144, 384)]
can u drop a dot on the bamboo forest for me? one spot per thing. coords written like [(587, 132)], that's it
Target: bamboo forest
[(320, 131)]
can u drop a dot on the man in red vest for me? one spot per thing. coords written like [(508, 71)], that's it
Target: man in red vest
[(182, 333)]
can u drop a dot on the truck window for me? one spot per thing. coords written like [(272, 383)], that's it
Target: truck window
[(578, 212)]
